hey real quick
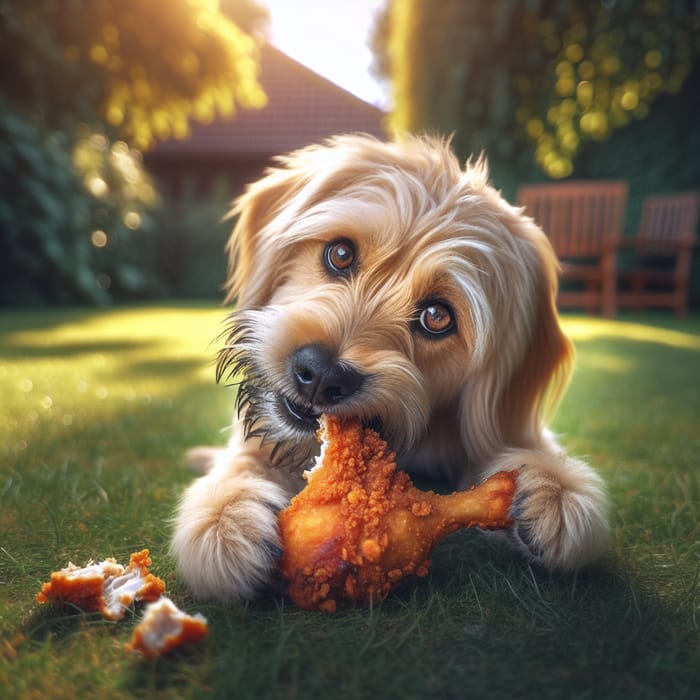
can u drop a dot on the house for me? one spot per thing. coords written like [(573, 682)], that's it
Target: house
[(302, 108)]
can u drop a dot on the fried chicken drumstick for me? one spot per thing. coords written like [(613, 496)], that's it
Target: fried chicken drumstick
[(360, 526)]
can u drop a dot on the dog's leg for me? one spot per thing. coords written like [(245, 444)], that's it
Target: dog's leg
[(560, 510), (226, 540)]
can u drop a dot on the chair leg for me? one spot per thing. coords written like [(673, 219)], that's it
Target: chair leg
[(680, 300), (609, 285), (681, 282)]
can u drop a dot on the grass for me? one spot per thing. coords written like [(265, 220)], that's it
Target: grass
[(96, 409)]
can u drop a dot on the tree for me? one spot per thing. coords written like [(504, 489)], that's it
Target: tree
[(144, 67), (535, 76), (85, 84)]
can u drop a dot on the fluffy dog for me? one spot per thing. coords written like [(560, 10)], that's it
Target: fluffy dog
[(381, 280)]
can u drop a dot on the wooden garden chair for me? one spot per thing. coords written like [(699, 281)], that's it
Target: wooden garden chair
[(583, 220), (660, 272)]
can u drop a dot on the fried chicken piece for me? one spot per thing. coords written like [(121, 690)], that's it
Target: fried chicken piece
[(165, 627), (360, 526), (107, 586)]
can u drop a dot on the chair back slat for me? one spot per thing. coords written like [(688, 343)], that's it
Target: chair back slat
[(580, 218), (666, 220)]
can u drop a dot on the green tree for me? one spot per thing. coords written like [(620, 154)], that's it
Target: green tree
[(538, 77), (86, 83), (144, 67)]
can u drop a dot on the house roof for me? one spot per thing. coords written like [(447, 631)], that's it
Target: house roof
[(302, 108)]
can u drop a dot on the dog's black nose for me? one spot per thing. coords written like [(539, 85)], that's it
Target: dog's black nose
[(321, 378)]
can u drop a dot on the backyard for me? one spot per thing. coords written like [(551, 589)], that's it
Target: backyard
[(97, 409)]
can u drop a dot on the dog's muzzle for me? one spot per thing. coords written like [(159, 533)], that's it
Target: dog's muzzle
[(302, 414), (321, 382)]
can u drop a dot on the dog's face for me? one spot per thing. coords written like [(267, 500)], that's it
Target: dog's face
[(382, 281)]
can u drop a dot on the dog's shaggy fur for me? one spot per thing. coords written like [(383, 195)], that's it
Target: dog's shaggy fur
[(383, 281)]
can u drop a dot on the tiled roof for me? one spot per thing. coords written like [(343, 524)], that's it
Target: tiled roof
[(302, 108)]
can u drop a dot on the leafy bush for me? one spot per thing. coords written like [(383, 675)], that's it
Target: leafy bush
[(534, 78), (68, 217), (42, 206), (189, 240)]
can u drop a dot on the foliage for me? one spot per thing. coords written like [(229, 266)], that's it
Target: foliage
[(97, 410), (69, 217), (85, 82), (190, 239), (41, 207), (146, 66), (611, 62), (539, 75)]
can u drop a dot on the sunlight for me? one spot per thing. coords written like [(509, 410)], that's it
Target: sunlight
[(607, 362), (99, 355), (596, 328), (156, 325), (332, 39), (63, 378)]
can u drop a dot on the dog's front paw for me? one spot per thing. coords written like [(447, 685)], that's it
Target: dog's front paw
[(559, 513), (226, 539)]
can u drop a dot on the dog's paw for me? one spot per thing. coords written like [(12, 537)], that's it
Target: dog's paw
[(226, 540), (559, 513)]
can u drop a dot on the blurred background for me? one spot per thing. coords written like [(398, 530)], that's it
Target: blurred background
[(128, 126)]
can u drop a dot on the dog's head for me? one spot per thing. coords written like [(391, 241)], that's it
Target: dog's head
[(382, 280)]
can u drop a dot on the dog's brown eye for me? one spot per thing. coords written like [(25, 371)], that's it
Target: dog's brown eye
[(339, 256), (437, 318)]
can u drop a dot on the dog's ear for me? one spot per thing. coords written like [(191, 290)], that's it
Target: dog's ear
[(251, 261), (508, 403), (540, 379)]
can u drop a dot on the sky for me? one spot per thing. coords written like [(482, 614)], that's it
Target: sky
[(332, 38)]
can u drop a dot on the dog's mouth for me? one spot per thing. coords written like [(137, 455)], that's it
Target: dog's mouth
[(303, 415), (306, 417)]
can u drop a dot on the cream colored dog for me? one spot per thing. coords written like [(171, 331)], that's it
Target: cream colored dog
[(381, 280)]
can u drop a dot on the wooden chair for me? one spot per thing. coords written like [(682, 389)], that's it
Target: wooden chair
[(662, 248), (583, 220)]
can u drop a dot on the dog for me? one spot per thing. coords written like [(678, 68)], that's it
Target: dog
[(381, 280)]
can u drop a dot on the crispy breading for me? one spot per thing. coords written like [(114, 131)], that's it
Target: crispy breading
[(107, 586), (165, 627), (360, 526)]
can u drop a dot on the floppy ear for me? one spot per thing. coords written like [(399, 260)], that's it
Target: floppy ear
[(251, 266), (539, 381), (507, 403)]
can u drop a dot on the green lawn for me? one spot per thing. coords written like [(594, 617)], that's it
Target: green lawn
[(96, 409)]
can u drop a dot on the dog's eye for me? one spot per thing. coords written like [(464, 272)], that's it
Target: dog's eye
[(436, 318), (339, 256)]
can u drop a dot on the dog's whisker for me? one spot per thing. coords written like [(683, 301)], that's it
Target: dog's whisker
[(254, 398)]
